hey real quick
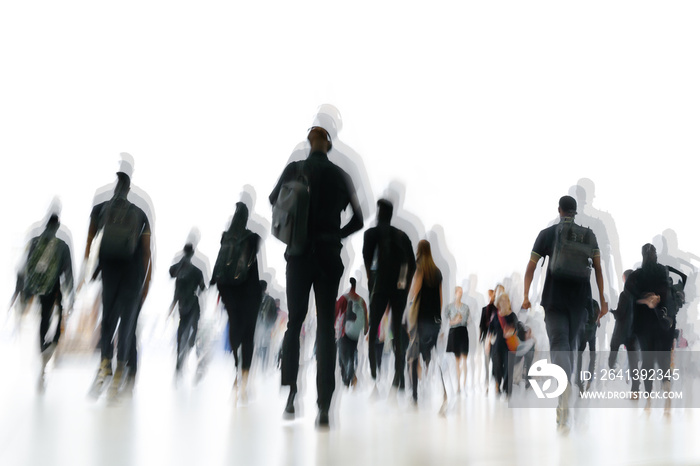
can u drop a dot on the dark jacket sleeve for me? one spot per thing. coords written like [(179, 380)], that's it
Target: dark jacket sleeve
[(356, 222), (368, 246), (67, 266)]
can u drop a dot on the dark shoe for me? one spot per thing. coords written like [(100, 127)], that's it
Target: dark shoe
[(322, 421), (289, 409)]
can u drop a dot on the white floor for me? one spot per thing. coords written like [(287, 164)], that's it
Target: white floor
[(205, 425)]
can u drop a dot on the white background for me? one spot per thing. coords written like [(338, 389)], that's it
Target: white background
[(487, 112)]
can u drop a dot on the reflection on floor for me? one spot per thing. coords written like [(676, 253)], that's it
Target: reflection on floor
[(205, 424)]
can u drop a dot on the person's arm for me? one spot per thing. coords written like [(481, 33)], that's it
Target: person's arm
[(601, 286), (356, 222), (175, 268), (92, 231), (147, 263), (456, 320), (416, 285), (68, 276), (529, 274), (202, 286), (364, 307), (368, 246)]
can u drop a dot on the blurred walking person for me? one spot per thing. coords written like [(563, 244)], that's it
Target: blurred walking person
[(313, 257)]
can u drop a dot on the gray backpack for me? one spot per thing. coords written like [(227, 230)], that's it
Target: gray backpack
[(573, 252), (354, 319), (43, 267), (290, 213)]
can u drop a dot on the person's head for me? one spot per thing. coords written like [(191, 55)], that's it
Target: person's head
[(626, 274), (188, 250), (319, 139), (53, 223), (567, 206), (503, 304), (240, 217), (385, 210), (123, 184), (458, 293), (492, 296), (498, 291), (263, 285), (649, 254), (423, 249), (353, 283)]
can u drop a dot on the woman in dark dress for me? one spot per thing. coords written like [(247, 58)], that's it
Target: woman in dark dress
[(425, 321)]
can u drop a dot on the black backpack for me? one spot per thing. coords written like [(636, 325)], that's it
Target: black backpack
[(43, 267), (573, 252), (290, 213), (121, 230), (235, 259)]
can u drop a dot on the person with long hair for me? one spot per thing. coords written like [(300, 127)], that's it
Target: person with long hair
[(425, 312)]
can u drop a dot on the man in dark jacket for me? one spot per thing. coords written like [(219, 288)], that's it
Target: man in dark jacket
[(48, 260), (125, 266), (317, 265), (189, 282), (390, 265)]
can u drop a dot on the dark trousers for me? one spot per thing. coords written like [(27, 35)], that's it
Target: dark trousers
[(48, 301), (585, 340), (378, 352), (377, 306), (563, 326), (186, 332), (347, 357), (656, 345), (499, 360), (121, 304), (623, 335), (242, 304), (321, 270)]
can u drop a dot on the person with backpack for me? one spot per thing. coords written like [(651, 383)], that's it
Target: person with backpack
[(351, 317), (189, 282), (48, 260), (572, 251), (122, 231), (652, 294), (237, 278), (319, 190), (390, 265)]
